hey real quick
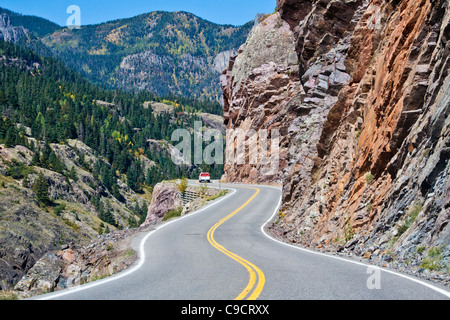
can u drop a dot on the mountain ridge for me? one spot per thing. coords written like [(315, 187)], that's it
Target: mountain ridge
[(185, 50)]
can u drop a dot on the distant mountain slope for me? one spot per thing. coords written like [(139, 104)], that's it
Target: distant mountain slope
[(37, 25), (77, 160), (162, 52)]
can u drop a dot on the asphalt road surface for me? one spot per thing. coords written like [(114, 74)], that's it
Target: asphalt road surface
[(221, 252)]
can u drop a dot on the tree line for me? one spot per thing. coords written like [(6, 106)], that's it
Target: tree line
[(57, 104)]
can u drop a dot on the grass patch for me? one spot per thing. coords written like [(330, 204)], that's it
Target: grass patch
[(173, 214), (369, 177), (128, 253), (71, 224), (348, 232), (147, 193), (411, 215), (217, 195), (420, 249), (433, 259), (8, 295)]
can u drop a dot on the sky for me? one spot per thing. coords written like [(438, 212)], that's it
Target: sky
[(234, 12)]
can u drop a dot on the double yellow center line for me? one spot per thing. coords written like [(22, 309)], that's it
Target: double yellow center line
[(254, 271)]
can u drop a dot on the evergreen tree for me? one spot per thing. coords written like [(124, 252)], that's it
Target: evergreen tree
[(40, 189), (36, 160), (73, 174), (133, 178)]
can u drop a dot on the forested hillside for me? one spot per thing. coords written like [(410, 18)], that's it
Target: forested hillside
[(77, 159), (58, 104), (162, 52)]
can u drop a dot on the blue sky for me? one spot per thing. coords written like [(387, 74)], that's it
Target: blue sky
[(235, 12)]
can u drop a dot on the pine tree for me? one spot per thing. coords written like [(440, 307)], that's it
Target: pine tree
[(133, 178), (40, 188), (10, 138), (36, 160), (73, 174)]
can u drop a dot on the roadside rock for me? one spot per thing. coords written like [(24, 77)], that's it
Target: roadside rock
[(364, 136), (73, 265), (166, 197)]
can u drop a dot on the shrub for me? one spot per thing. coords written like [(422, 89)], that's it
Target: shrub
[(40, 188), (173, 214), (411, 215), (183, 185), (348, 232), (369, 177), (432, 262), (18, 170), (59, 208)]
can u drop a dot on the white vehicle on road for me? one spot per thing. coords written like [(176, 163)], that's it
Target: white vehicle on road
[(204, 177)]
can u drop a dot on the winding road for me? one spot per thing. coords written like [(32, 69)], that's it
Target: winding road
[(221, 252)]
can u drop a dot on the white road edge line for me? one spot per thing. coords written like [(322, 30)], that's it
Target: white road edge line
[(141, 256), (142, 253), (442, 291)]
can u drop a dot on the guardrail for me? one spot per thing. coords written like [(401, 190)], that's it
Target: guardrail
[(189, 196)]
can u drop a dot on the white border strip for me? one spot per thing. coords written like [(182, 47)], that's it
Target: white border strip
[(141, 258)]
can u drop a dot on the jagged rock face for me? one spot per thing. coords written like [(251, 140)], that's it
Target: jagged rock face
[(9, 32), (367, 165), (165, 197), (261, 89), (293, 11), (29, 230), (143, 70), (74, 265)]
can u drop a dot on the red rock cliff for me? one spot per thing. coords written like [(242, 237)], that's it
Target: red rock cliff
[(364, 122)]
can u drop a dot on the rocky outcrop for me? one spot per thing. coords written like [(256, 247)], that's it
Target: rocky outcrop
[(74, 265), (366, 171), (262, 89), (29, 229), (9, 32), (165, 197), (144, 70)]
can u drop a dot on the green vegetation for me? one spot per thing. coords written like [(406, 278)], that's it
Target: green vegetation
[(411, 215), (420, 249), (59, 209), (58, 104), (173, 214), (183, 185), (203, 189), (18, 170), (38, 26), (40, 189), (369, 177), (8, 295), (348, 232), (182, 43), (433, 259), (217, 195)]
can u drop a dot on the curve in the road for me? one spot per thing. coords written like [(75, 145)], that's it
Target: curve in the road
[(257, 280), (253, 270), (142, 257)]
